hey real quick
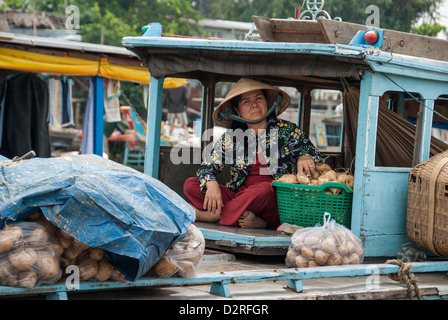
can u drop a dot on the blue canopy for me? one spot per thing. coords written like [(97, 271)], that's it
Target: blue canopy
[(133, 217)]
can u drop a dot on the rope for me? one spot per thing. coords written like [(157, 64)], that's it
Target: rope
[(404, 276)]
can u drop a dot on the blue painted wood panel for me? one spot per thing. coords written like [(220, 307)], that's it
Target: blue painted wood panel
[(221, 280), (383, 219), (154, 121), (380, 194), (98, 115)]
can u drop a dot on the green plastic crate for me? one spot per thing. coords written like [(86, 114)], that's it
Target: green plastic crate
[(305, 205)]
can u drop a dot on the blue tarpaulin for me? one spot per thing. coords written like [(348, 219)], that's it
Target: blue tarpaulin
[(132, 216)]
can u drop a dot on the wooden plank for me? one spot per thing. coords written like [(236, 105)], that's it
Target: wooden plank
[(240, 248), (416, 45), (221, 279), (151, 166), (288, 30), (245, 235), (306, 31), (394, 41), (264, 28), (98, 115), (253, 241), (388, 294), (337, 32)]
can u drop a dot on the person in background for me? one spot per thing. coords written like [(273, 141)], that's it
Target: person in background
[(273, 147), (384, 100), (176, 101), (116, 131)]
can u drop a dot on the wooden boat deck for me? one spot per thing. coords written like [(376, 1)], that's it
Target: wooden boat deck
[(253, 241), (227, 276)]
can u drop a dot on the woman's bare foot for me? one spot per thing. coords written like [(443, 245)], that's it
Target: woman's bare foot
[(205, 216), (248, 220)]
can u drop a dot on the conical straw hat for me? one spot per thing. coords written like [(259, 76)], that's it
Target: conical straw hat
[(245, 85)]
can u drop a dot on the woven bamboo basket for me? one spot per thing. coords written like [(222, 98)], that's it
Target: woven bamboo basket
[(427, 205)]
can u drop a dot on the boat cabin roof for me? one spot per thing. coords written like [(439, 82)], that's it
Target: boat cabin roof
[(280, 63)]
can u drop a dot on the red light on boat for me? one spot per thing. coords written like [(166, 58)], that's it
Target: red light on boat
[(371, 36)]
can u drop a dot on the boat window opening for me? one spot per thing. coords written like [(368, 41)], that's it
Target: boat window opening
[(440, 119), (400, 123), (395, 139), (333, 135), (326, 120)]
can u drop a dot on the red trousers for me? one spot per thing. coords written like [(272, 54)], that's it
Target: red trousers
[(256, 194)]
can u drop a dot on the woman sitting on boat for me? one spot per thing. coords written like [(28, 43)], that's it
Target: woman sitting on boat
[(259, 147)]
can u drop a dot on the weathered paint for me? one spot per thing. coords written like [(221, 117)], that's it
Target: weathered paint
[(220, 280), (247, 240), (380, 194), (154, 121), (425, 143), (379, 61), (98, 112)]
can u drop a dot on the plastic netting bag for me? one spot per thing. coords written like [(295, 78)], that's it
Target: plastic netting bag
[(92, 262), (326, 245), (35, 252), (29, 255), (182, 259)]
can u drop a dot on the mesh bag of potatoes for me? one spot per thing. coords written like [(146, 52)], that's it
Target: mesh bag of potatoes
[(92, 262), (29, 255), (327, 245), (182, 259)]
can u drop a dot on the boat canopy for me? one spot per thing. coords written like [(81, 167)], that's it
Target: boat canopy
[(280, 63), (42, 55)]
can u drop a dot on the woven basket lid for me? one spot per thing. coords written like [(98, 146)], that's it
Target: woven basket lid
[(246, 85)]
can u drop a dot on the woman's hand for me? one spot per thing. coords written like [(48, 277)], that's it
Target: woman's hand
[(213, 198), (305, 165)]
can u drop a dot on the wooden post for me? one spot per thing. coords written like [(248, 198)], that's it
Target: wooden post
[(365, 148), (426, 133), (152, 150), (207, 108), (98, 115), (305, 110)]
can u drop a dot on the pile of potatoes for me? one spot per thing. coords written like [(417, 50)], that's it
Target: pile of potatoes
[(182, 259), (91, 261), (327, 245), (29, 255), (35, 251), (323, 173)]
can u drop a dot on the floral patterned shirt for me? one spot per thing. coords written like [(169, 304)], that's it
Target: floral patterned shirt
[(282, 143)]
